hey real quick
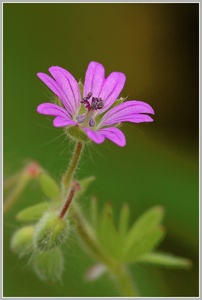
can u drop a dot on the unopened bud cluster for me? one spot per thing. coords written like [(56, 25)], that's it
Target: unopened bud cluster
[(47, 230)]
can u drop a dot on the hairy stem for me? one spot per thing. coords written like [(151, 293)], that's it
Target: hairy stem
[(119, 273), (73, 165), (74, 187)]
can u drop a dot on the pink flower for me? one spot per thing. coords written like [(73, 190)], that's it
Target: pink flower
[(90, 111)]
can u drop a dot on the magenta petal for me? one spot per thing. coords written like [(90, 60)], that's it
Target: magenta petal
[(69, 86), (130, 111), (52, 110), (114, 134), (95, 136), (56, 89), (111, 89), (94, 79), (61, 122)]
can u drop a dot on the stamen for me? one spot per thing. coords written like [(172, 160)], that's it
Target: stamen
[(80, 118), (92, 122), (96, 103), (85, 101), (91, 106)]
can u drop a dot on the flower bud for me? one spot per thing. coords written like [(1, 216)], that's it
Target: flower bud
[(49, 265), (22, 240), (51, 231)]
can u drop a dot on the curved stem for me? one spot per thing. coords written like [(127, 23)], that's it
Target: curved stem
[(17, 190), (124, 282), (120, 274), (73, 165)]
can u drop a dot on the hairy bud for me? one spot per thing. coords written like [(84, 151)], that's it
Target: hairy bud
[(22, 240), (51, 231)]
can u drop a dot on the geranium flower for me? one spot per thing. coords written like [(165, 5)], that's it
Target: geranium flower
[(91, 111)]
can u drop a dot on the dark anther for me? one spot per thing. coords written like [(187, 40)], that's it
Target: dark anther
[(96, 103), (86, 102), (86, 98)]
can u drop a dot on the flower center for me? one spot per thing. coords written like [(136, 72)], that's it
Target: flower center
[(91, 106)]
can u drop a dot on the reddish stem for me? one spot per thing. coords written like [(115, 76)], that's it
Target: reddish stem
[(74, 188)]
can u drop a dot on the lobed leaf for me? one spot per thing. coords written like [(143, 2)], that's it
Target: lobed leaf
[(166, 260), (93, 211), (123, 221), (107, 234), (144, 244), (146, 222)]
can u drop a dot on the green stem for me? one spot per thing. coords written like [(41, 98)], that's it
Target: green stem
[(119, 272), (73, 164), (11, 181), (88, 236), (125, 283), (17, 190)]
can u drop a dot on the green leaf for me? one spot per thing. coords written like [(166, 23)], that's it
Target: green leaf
[(107, 234), (32, 213), (93, 211), (166, 260), (48, 186), (49, 265), (123, 221), (84, 184), (144, 244), (146, 222)]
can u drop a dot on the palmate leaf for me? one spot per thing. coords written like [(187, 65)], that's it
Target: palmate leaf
[(107, 233), (123, 221), (143, 244), (146, 223), (93, 211), (165, 260), (32, 213)]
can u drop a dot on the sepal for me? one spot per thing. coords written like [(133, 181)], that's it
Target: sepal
[(49, 265), (32, 213), (51, 231)]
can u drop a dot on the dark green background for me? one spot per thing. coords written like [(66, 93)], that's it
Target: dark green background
[(156, 46)]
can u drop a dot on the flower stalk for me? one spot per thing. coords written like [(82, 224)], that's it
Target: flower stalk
[(119, 273), (17, 190), (73, 165), (75, 187)]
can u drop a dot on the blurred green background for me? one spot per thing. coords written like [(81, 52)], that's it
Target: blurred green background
[(156, 46)]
